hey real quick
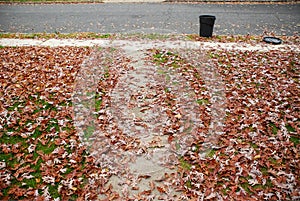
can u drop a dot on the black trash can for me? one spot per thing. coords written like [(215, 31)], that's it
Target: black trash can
[(206, 25)]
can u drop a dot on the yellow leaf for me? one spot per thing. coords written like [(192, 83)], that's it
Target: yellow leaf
[(74, 188), (178, 116)]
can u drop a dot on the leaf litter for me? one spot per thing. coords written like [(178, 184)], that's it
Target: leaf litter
[(41, 155), (255, 157)]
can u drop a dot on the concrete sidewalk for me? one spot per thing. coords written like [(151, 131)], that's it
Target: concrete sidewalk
[(232, 1), (133, 1), (146, 44), (200, 1)]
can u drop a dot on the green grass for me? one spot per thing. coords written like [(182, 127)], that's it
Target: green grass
[(295, 140), (264, 171), (9, 158), (274, 128), (81, 35), (202, 101), (37, 132), (53, 190), (273, 161), (47, 149), (159, 58), (6, 139), (210, 153), (246, 186), (88, 132), (30, 182), (290, 128), (151, 36), (188, 184), (98, 102), (184, 164), (171, 59), (225, 191), (253, 145), (52, 124)]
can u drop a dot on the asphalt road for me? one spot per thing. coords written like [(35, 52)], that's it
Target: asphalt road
[(281, 19)]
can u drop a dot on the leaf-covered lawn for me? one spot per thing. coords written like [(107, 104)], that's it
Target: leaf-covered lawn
[(41, 156), (257, 156)]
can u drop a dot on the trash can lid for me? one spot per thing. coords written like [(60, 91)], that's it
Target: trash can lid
[(207, 16), (272, 40)]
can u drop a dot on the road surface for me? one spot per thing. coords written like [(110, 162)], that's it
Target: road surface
[(282, 19)]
